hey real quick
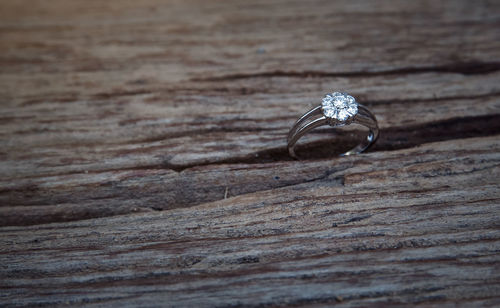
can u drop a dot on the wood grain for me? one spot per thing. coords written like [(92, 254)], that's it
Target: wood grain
[(143, 156)]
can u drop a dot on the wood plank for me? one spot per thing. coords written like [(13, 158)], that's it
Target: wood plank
[(420, 240), (143, 155)]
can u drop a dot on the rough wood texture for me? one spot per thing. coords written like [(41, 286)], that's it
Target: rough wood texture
[(143, 159)]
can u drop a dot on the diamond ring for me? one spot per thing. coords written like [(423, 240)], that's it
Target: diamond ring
[(337, 109)]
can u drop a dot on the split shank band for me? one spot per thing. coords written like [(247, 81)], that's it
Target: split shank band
[(335, 112)]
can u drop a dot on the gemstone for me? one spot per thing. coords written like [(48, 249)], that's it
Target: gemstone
[(339, 106)]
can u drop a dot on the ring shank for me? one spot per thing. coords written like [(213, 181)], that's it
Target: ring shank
[(310, 121)]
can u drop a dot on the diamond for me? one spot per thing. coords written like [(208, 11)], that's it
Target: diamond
[(339, 106)]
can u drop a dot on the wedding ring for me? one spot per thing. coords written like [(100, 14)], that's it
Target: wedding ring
[(337, 109)]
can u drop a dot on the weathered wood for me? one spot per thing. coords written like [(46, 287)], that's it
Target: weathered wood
[(143, 158)]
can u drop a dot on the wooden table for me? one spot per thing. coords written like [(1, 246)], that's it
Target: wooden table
[(143, 158)]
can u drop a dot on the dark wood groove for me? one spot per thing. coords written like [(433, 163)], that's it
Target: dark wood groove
[(465, 68)]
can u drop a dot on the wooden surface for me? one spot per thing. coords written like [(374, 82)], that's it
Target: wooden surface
[(143, 160)]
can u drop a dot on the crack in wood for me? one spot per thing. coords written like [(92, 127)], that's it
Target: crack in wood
[(391, 139), (464, 68)]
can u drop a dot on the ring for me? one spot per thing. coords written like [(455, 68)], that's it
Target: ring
[(336, 110)]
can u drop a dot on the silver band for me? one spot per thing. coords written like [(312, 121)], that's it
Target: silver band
[(310, 121)]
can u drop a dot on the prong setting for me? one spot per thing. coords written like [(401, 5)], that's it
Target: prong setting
[(339, 108)]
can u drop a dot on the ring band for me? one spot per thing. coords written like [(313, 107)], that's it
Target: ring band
[(336, 110)]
